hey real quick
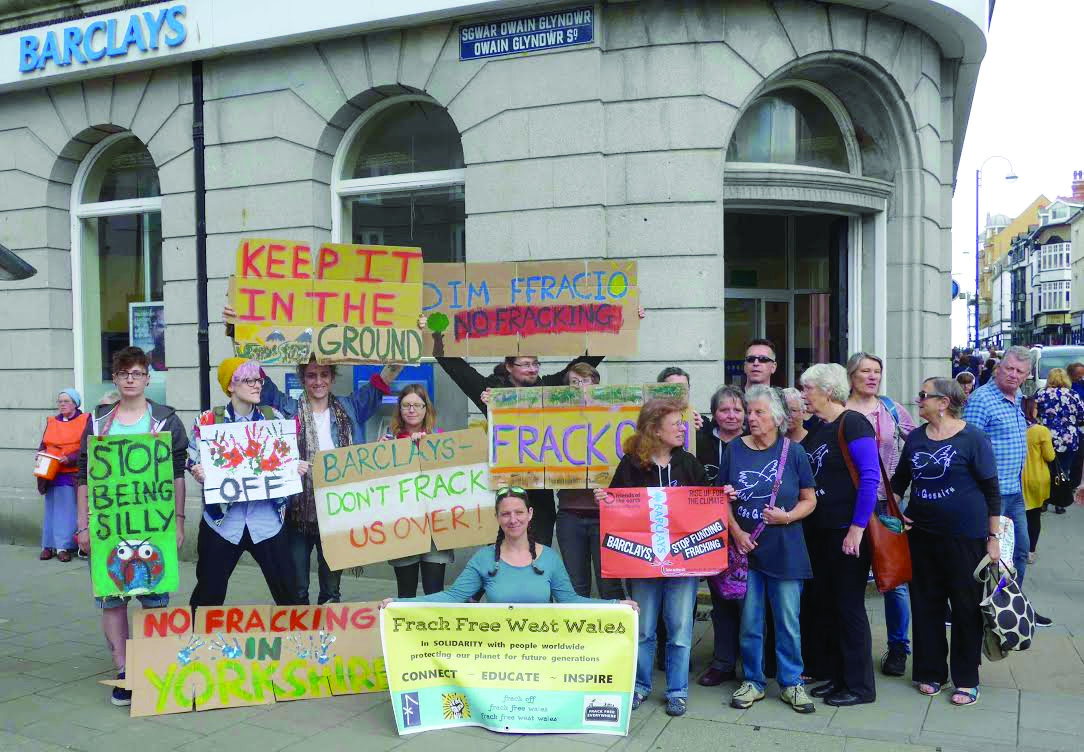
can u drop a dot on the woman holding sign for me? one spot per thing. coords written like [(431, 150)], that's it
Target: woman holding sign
[(771, 487), (227, 530), (133, 414), (414, 418), (517, 569), (654, 458)]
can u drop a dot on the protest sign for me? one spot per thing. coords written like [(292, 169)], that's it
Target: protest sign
[(133, 536), (395, 498), (537, 308), (231, 656), (524, 669), (249, 461), (345, 303), (567, 437), (679, 531)]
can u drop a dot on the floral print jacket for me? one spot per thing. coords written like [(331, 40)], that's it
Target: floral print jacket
[(1062, 411)]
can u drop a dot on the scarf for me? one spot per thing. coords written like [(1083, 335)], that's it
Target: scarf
[(303, 508)]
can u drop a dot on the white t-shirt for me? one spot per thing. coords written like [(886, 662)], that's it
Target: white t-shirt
[(323, 430)]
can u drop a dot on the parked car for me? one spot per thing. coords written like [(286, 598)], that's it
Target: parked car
[(1054, 356)]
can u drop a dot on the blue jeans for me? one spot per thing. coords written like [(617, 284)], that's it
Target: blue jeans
[(1012, 506), (784, 597), (674, 598), (898, 617)]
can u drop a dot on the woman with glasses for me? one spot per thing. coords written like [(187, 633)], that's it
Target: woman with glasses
[(953, 517), (228, 530), (414, 418), (132, 414), (891, 426), (61, 440), (655, 458), (516, 569), (836, 640), (324, 422)]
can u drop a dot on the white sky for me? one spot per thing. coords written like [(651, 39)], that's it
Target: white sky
[(1027, 108)]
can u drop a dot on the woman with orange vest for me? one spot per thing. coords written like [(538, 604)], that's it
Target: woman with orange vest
[(61, 440)]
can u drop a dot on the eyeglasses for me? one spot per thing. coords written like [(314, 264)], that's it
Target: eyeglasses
[(580, 382), (759, 359), (411, 407), (526, 364), (251, 382), (924, 395), (510, 491), (129, 375)]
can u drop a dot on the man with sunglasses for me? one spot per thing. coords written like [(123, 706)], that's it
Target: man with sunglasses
[(759, 363)]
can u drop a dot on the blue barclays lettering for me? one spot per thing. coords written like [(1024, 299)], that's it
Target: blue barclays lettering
[(78, 45)]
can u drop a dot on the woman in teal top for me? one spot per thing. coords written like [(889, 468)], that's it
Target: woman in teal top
[(517, 569)]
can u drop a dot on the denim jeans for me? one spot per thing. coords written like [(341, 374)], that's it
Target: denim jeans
[(301, 545), (1012, 506), (578, 538), (898, 617), (784, 596), (673, 597)]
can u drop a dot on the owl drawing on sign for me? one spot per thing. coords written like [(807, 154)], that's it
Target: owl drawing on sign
[(136, 567)]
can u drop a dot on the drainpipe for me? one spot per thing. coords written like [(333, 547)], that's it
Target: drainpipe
[(202, 337)]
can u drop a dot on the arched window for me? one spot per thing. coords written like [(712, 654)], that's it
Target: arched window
[(789, 126), (398, 179), (117, 263)]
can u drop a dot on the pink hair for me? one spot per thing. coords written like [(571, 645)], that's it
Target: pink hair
[(250, 369)]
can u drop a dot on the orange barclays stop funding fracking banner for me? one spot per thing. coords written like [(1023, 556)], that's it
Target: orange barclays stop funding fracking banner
[(345, 303)]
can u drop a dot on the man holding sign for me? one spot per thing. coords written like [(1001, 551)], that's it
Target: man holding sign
[(251, 479), (131, 464)]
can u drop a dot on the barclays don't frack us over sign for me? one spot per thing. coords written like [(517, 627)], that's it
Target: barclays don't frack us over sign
[(510, 36)]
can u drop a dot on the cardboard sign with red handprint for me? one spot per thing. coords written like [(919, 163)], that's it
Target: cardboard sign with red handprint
[(249, 461)]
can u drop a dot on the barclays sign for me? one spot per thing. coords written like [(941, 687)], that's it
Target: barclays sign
[(114, 37)]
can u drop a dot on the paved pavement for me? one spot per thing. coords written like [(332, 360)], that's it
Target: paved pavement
[(52, 655)]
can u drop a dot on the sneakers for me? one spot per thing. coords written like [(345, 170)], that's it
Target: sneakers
[(797, 698), (894, 661), (1043, 621), (746, 695), (675, 706), (1031, 557), (121, 697), (637, 700)]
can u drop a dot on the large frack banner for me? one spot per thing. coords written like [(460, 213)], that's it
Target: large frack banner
[(249, 461), (664, 532), (565, 436), (231, 656), (513, 668), (345, 303), (539, 308), (133, 534), (397, 498)]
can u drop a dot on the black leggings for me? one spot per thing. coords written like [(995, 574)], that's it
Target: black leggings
[(1035, 526), (407, 578)]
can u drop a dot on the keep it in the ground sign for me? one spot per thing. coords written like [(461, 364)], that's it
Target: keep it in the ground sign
[(133, 537)]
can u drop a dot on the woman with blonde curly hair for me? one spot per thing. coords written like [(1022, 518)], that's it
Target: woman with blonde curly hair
[(654, 458)]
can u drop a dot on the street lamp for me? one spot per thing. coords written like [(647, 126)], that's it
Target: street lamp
[(1011, 177)]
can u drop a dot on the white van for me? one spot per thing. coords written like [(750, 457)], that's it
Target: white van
[(1055, 356)]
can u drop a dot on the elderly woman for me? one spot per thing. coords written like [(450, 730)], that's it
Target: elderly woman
[(727, 423), (654, 458), (948, 540), (1062, 411), (796, 414), (835, 630), (771, 486), (891, 425), (61, 439)]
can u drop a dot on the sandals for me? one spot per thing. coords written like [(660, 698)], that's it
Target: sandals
[(929, 689), (970, 696)]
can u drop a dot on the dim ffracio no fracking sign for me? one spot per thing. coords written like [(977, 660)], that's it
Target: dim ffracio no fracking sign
[(133, 534), (524, 669), (664, 532), (232, 656), (345, 303), (567, 436), (537, 308), (391, 499)]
